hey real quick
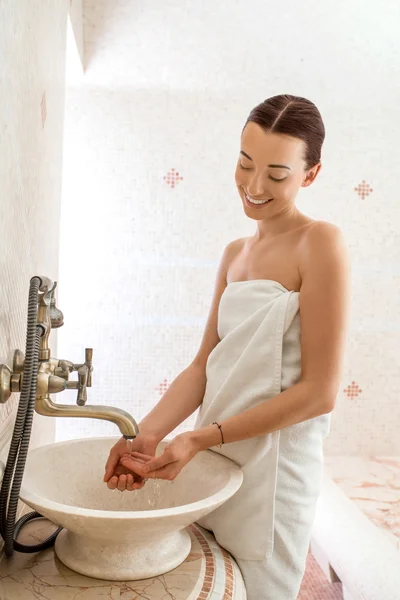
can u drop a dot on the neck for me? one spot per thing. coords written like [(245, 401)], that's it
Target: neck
[(286, 220)]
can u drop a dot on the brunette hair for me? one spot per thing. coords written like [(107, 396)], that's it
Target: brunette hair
[(294, 116)]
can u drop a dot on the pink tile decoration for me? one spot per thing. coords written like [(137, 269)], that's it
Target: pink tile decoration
[(353, 390), (363, 189), (162, 388), (172, 178), (43, 109)]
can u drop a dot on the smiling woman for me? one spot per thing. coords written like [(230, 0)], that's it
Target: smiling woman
[(269, 365), (292, 141)]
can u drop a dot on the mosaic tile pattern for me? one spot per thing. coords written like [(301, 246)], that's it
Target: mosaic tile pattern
[(208, 573), (374, 485), (363, 189)]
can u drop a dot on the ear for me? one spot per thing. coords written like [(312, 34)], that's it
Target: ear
[(311, 175)]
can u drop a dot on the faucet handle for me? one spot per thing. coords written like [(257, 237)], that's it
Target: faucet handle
[(89, 364), (83, 373), (84, 376)]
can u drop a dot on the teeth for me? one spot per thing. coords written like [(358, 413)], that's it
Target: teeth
[(256, 201)]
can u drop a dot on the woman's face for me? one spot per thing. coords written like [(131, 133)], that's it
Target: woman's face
[(270, 171)]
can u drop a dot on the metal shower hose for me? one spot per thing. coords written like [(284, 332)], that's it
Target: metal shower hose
[(18, 451)]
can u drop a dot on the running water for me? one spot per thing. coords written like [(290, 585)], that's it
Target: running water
[(152, 495), (153, 486), (156, 493)]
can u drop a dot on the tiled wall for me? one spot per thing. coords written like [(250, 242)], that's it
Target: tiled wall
[(32, 98), (149, 200)]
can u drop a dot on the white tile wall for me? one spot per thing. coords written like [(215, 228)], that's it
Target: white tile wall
[(168, 85), (32, 93)]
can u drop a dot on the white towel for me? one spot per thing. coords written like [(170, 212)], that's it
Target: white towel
[(259, 356)]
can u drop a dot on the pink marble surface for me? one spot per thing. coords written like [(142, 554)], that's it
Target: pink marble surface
[(374, 485)]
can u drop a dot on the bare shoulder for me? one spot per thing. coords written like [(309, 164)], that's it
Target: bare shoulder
[(323, 244), (235, 246), (316, 229), (232, 250), (323, 254)]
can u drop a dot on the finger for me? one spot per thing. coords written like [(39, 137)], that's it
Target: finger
[(141, 456), (110, 465), (133, 465), (138, 485), (112, 483), (138, 482), (120, 470), (158, 462), (142, 461), (129, 482), (122, 483)]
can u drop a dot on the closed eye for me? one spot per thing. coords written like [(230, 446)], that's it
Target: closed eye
[(273, 178)]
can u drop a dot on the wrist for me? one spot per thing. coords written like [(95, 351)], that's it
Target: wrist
[(206, 437), (151, 433)]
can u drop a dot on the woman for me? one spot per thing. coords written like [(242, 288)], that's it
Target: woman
[(269, 365)]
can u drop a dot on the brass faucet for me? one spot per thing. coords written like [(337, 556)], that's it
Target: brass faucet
[(53, 376)]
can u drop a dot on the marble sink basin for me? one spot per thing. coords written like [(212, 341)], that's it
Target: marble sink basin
[(122, 535)]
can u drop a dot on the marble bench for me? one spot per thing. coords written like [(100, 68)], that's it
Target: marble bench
[(356, 532)]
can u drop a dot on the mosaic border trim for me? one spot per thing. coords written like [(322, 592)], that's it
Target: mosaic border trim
[(211, 577)]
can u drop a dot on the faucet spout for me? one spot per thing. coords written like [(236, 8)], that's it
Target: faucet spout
[(124, 421)]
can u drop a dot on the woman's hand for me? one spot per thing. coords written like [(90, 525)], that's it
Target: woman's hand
[(176, 455), (116, 474)]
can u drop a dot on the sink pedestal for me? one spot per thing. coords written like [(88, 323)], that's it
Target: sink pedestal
[(122, 561)]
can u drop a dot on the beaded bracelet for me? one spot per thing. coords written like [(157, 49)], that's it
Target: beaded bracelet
[(222, 435)]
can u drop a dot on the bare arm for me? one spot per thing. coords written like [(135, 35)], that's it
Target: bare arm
[(186, 392), (181, 399)]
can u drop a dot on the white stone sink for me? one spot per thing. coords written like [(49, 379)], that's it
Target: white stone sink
[(122, 535)]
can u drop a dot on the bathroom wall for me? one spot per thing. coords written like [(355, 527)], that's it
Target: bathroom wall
[(32, 98), (75, 21), (149, 202)]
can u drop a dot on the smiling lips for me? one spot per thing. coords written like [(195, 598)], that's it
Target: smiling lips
[(256, 203)]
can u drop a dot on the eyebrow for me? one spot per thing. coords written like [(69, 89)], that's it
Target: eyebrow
[(272, 166)]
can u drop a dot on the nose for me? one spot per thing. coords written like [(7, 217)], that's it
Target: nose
[(255, 187)]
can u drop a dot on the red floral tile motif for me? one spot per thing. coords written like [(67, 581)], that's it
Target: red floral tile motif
[(43, 109), (363, 189), (162, 388), (172, 178), (353, 390)]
